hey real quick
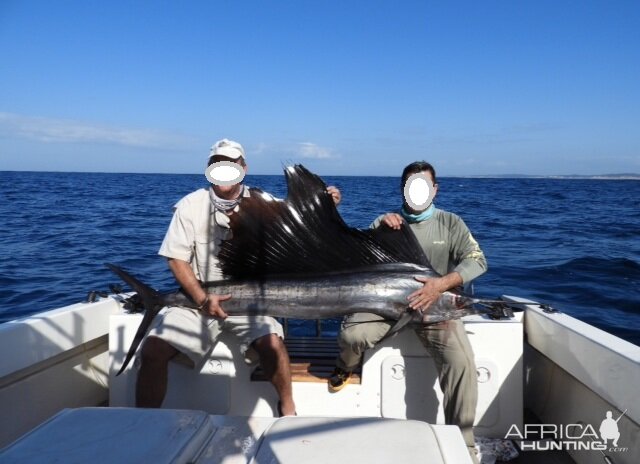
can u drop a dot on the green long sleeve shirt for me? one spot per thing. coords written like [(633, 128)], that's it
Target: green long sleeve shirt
[(448, 245)]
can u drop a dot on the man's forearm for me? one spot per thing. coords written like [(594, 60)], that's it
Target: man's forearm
[(187, 279), (449, 281)]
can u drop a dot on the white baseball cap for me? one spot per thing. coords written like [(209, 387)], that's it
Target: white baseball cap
[(227, 148)]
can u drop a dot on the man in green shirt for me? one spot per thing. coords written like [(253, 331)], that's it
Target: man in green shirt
[(456, 256)]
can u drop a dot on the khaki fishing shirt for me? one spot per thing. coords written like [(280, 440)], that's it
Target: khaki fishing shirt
[(194, 235)]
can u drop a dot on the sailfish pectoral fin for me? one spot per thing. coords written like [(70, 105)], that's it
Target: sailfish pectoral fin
[(406, 318), (152, 304)]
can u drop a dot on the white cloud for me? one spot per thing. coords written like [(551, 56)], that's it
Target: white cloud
[(306, 150), (313, 151), (51, 130)]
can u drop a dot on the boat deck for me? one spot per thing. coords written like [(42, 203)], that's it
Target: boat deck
[(74, 353), (313, 360)]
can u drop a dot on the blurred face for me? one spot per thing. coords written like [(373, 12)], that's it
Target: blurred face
[(419, 192), (226, 175)]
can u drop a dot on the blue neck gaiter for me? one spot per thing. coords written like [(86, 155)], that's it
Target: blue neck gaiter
[(411, 218)]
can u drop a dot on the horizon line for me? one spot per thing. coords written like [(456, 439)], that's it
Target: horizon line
[(621, 176)]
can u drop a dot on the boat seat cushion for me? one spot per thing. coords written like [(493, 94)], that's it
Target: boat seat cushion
[(114, 435), (130, 435), (317, 440)]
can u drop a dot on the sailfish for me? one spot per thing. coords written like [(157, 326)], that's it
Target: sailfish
[(297, 258)]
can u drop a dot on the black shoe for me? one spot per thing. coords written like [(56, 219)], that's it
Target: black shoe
[(338, 380)]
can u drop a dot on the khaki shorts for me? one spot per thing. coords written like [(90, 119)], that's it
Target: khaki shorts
[(195, 335)]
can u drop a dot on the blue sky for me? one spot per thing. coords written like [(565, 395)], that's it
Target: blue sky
[(346, 88)]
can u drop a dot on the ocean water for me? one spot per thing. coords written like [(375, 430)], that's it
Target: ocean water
[(572, 243)]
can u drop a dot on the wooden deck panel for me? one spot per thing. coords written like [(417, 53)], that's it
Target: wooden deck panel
[(312, 360)]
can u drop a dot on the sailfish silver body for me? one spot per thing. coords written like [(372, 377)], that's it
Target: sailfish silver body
[(379, 289)]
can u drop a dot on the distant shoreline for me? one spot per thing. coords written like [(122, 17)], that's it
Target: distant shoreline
[(572, 176)]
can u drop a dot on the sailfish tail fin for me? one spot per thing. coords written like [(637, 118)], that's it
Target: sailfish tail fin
[(152, 303)]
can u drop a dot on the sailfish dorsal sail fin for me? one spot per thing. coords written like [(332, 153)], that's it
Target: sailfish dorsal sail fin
[(403, 243), (303, 234)]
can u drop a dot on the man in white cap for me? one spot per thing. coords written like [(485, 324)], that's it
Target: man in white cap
[(192, 242)]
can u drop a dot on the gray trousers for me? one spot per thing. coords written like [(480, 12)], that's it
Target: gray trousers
[(448, 345)]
